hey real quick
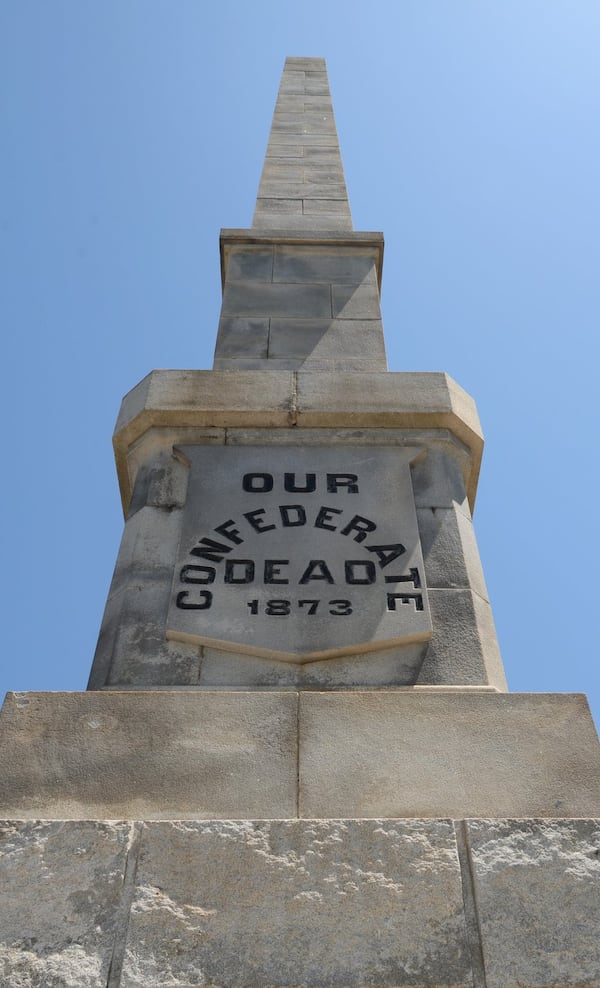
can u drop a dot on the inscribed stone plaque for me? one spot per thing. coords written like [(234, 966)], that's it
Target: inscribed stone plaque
[(299, 554)]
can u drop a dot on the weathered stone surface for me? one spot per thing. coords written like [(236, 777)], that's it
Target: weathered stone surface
[(300, 555), (60, 908), (404, 754), (329, 339), (538, 902), (450, 550), (463, 650), (186, 400), (320, 903), (316, 264), (256, 298), (243, 336), (148, 755), (229, 670), (356, 301)]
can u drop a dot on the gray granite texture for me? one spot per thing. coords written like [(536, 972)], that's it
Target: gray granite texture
[(62, 906), (537, 895), (313, 904), (198, 755)]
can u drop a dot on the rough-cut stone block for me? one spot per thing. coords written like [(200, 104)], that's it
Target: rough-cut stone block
[(450, 550), (326, 904), (538, 903), (340, 265), (148, 755), (256, 299), (463, 650), (244, 337), (405, 754), (60, 904)]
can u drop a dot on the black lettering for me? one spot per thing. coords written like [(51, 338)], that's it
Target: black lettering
[(290, 485), (183, 603), (404, 598), (317, 569), (257, 483), (248, 574), (386, 553), (335, 480), (325, 515), (192, 574), (411, 577), (369, 574), (361, 526), (257, 523), (229, 533), (273, 570), (287, 517), (209, 549)]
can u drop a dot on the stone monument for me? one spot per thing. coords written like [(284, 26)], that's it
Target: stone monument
[(297, 763)]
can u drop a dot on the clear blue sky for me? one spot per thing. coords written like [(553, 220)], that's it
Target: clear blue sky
[(470, 133)]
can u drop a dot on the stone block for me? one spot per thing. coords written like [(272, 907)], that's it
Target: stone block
[(245, 337), (148, 755), (132, 648), (60, 908), (356, 301), (250, 264), (328, 339), (279, 170), (450, 550), (339, 265), (307, 140), (287, 189), (439, 479), (463, 650), (322, 904), (281, 207), (275, 151), (148, 549), (536, 892), (392, 667), (323, 173), (161, 482), (417, 754), (256, 299), (231, 364)]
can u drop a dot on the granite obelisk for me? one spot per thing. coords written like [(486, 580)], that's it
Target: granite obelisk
[(297, 762)]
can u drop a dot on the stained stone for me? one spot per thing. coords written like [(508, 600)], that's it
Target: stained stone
[(329, 904), (404, 754), (60, 908), (150, 754), (537, 896)]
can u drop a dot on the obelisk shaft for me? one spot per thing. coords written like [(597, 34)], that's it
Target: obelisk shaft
[(302, 185), (301, 288)]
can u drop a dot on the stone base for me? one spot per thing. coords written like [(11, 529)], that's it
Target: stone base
[(200, 755), (321, 904)]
